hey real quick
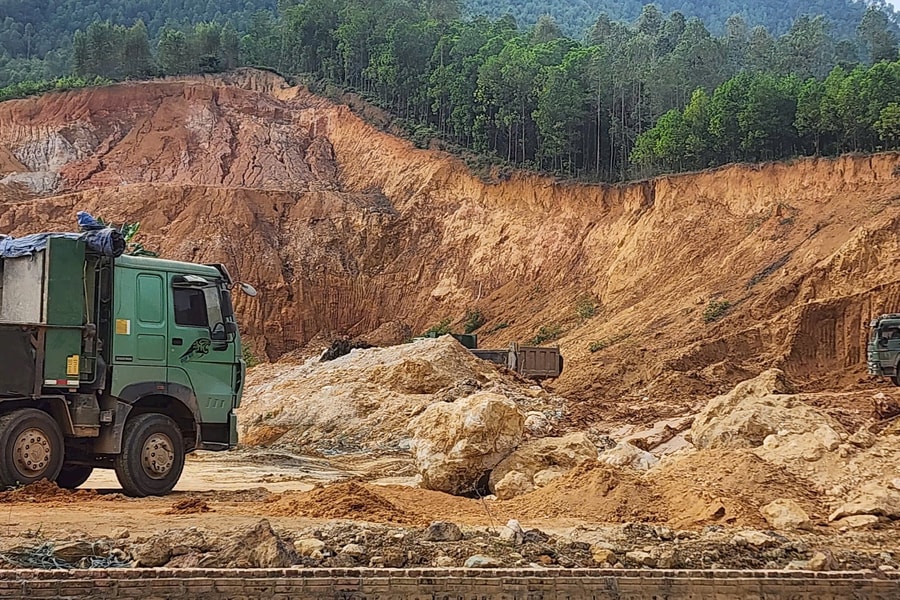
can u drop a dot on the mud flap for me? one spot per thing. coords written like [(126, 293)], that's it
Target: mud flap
[(110, 439)]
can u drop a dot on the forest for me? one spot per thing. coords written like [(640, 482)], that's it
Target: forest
[(631, 98), (576, 16)]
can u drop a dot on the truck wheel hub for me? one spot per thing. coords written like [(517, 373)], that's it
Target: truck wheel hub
[(32, 451), (157, 456)]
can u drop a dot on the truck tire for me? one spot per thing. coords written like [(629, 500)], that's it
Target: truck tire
[(152, 456), (32, 447), (73, 476)]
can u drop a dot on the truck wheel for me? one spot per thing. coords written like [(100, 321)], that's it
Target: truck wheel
[(32, 447), (152, 456), (73, 476), (895, 379)]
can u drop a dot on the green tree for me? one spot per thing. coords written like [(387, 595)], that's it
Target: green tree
[(878, 35), (888, 125)]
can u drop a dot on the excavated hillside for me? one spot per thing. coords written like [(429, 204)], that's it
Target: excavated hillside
[(344, 228)]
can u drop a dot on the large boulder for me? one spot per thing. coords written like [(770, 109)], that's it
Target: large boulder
[(785, 514), (457, 443), (537, 462), (759, 408), (258, 547), (875, 499)]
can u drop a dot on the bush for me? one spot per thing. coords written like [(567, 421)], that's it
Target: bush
[(442, 328), (715, 310), (547, 333), (248, 355), (474, 321), (586, 307)]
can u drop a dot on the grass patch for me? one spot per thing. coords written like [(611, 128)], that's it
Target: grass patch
[(498, 327), (715, 310), (607, 342)]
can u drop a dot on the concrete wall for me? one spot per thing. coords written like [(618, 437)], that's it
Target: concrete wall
[(446, 584)]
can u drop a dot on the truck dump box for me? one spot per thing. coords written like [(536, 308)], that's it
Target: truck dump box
[(533, 362), (43, 309)]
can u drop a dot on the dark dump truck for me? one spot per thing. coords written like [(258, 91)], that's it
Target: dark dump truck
[(533, 362), (117, 362), (883, 351)]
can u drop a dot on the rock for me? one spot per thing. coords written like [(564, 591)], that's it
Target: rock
[(863, 438), (353, 550), (757, 539), (602, 555), (895, 483), (872, 499), (857, 521), (535, 536), (394, 558), (309, 547), (72, 552), (510, 536), (513, 484), (455, 444), (442, 531), (120, 534), (257, 548), (626, 455), (537, 424), (797, 565), (556, 455), (821, 561), (155, 552), (661, 433), (543, 478), (759, 408), (480, 561), (785, 514), (514, 525), (676, 444), (443, 562), (512, 533), (641, 558)]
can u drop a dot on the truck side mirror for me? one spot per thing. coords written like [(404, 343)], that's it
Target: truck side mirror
[(882, 341)]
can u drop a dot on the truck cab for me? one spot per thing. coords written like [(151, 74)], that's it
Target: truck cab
[(126, 363), (883, 352)]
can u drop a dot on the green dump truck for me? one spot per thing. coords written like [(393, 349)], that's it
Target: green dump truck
[(883, 352), (124, 363)]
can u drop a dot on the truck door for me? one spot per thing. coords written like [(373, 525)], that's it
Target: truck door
[(201, 353)]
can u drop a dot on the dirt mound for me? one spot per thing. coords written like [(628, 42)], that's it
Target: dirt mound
[(44, 492), (345, 229), (707, 487), (351, 501), (189, 506), (364, 401), (699, 485), (595, 492)]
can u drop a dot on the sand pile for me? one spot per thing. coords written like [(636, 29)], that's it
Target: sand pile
[(46, 492), (349, 500)]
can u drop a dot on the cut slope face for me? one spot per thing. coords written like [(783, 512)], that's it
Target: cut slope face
[(344, 228)]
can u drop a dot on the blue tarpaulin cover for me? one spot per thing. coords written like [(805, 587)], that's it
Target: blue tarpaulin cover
[(105, 241)]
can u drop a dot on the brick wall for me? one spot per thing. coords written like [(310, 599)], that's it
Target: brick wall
[(446, 584)]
